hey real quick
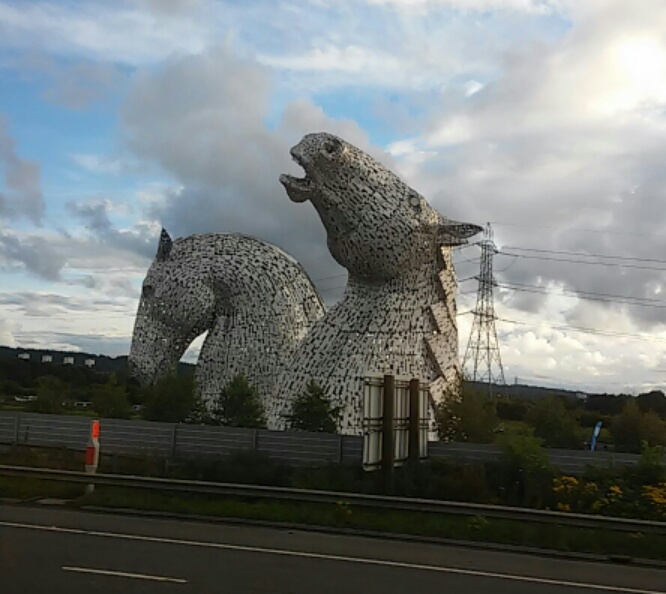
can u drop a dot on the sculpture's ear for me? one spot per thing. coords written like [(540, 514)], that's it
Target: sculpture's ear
[(454, 232), (165, 245)]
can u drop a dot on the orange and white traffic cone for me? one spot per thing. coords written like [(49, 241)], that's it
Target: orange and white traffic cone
[(92, 453)]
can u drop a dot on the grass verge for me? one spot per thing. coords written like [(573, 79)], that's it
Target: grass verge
[(343, 515), (258, 471)]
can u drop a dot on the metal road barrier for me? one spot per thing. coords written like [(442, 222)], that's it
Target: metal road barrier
[(359, 499)]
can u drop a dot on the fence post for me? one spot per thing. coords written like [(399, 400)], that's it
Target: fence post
[(414, 420), (340, 448), (388, 448), (255, 440), (17, 428)]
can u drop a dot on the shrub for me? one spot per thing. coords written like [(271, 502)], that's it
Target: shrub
[(632, 428), (524, 473), (473, 418), (554, 424)]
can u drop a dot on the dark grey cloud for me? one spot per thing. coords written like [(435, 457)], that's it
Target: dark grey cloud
[(139, 239), (107, 259), (22, 194), (32, 253), (202, 119)]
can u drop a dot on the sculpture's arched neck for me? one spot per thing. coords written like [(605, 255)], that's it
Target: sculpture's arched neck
[(408, 285)]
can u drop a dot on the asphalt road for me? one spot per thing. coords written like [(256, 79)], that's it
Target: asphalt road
[(60, 551)]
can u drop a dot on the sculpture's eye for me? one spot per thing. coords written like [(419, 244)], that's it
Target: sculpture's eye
[(332, 147), (147, 291), (415, 201)]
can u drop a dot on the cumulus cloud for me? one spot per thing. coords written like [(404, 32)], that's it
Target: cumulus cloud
[(130, 33), (22, 193), (74, 84), (203, 120), (544, 117), (570, 136)]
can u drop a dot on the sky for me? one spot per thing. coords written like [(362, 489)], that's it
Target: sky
[(543, 117)]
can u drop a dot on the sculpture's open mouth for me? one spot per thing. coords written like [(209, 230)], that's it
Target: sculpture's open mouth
[(298, 188)]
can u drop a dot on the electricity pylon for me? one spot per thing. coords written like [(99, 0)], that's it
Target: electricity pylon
[(483, 353)]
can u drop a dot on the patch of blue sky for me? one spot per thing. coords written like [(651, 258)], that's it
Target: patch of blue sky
[(390, 115), (20, 280), (367, 107), (51, 134)]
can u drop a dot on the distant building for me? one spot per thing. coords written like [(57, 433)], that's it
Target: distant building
[(89, 362), (68, 361), (24, 356), (47, 358)]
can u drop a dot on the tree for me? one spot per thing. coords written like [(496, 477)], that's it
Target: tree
[(171, 399), (51, 395), (199, 413), (606, 404), (239, 405), (653, 401), (110, 400), (472, 418), (632, 428), (553, 424), (312, 411), (511, 409)]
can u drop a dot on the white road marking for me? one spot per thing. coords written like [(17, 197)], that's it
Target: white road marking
[(339, 558), (136, 576)]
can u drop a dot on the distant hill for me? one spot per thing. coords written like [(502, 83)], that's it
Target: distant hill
[(522, 390), (106, 364), (103, 363)]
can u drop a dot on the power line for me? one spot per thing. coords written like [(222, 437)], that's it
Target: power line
[(583, 330), (660, 304), (584, 254), (608, 264), (473, 260), (595, 293), (576, 229)]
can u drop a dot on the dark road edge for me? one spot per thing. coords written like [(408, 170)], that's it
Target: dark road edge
[(395, 536)]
